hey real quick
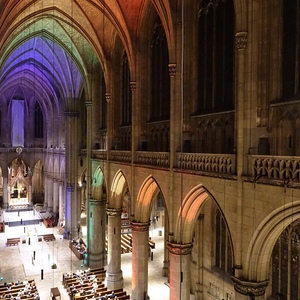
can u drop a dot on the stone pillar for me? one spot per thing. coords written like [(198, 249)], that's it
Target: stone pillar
[(71, 174), (180, 275), (242, 142), (249, 289), (89, 231), (50, 193), (199, 236), (96, 218), (29, 193), (71, 212), (46, 187), (61, 215), (140, 257), (114, 276), (5, 192), (55, 197)]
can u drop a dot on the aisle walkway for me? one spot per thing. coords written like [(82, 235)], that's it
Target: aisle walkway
[(16, 262)]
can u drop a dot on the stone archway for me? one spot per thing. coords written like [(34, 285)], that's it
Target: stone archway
[(264, 238)]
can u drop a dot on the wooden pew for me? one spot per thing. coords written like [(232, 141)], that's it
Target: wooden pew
[(49, 237), (152, 244), (12, 241)]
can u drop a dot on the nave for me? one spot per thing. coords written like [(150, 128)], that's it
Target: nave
[(17, 263)]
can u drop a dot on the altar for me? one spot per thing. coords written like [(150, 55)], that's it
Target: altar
[(18, 201), (19, 184)]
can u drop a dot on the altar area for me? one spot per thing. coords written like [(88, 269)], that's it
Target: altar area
[(18, 201), (21, 215)]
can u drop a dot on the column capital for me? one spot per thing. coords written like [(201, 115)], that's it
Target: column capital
[(107, 97), (88, 104), (241, 39), (113, 212), (132, 85), (172, 70), (140, 226), (250, 288), (180, 249), (96, 202)]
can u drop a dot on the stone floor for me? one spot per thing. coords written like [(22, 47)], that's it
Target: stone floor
[(16, 262)]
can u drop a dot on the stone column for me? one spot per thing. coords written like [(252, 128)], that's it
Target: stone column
[(180, 275), (96, 218), (5, 192), (199, 236), (140, 257), (70, 213), (242, 142), (55, 197), (71, 174), (249, 289), (50, 193), (46, 187), (29, 193), (114, 274), (89, 231), (61, 202)]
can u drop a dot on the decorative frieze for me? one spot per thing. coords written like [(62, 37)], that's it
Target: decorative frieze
[(113, 212), (249, 288), (88, 104), (277, 168), (180, 249), (132, 85), (172, 70), (241, 39), (140, 226), (94, 202), (224, 163)]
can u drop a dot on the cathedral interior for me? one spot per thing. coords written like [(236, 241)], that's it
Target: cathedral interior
[(116, 115)]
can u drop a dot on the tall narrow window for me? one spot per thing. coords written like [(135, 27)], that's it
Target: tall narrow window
[(215, 56), (290, 49), (126, 93), (285, 264), (224, 260), (38, 121), (160, 105), (17, 128)]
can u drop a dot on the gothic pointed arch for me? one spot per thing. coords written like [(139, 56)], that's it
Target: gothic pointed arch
[(98, 184), (189, 213), (148, 191), (264, 238), (119, 188)]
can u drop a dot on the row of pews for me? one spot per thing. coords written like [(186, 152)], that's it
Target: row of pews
[(20, 290), (89, 284), (126, 243), (15, 241)]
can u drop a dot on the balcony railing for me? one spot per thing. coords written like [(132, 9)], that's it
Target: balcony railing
[(275, 167), (204, 162), (159, 159), (268, 168)]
